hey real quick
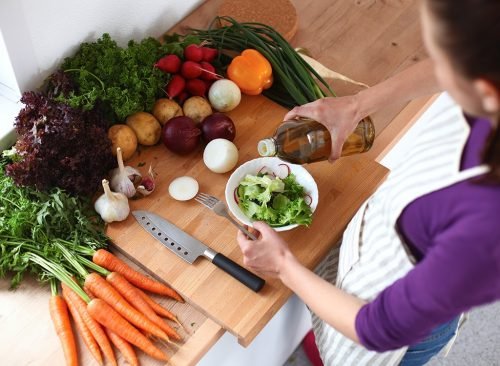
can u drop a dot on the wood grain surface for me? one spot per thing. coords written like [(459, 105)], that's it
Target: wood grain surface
[(342, 187), (27, 336)]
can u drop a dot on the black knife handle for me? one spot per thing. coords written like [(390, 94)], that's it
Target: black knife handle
[(246, 277)]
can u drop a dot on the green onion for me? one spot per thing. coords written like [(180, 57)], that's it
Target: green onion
[(295, 81)]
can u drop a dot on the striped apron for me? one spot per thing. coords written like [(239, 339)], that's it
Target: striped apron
[(372, 255)]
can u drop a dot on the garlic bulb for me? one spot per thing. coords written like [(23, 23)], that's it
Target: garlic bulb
[(124, 178), (112, 206)]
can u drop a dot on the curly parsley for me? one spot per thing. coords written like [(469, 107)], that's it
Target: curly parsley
[(121, 81)]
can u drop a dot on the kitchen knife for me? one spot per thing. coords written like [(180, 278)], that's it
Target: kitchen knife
[(189, 248)]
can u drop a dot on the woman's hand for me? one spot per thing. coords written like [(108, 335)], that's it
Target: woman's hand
[(339, 115), (267, 254)]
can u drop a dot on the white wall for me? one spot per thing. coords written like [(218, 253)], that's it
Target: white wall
[(35, 35), (39, 34)]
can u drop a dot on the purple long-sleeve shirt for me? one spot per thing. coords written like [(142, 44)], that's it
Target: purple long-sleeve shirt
[(455, 235)]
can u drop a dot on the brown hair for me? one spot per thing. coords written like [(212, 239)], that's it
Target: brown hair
[(470, 35)]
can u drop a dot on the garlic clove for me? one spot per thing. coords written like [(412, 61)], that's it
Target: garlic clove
[(147, 185), (124, 178)]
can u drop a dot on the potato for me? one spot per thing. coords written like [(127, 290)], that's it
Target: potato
[(124, 137), (165, 109), (197, 108), (146, 127)]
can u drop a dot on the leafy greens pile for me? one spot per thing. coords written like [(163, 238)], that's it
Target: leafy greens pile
[(35, 222), (59, 146), (278, 202), (121, 81)]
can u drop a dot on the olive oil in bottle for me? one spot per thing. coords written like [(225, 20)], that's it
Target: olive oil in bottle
[(302, 141)]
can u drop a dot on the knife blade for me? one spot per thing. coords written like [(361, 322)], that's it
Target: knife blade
[(189, 249)]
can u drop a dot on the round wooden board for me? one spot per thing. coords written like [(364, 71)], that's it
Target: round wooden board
[(279, 14)]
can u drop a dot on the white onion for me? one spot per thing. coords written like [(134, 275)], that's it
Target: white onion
[(183, 188), (224, 95), (220, 155)]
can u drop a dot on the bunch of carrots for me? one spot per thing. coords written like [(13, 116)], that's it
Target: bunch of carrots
[(110, 307)]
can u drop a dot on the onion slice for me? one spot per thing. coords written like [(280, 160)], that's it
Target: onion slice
[(283, 171), (183, 188), (235, 196), (308, 200), (265, 170)]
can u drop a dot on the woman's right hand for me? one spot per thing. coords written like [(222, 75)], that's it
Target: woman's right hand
[(340, 115)]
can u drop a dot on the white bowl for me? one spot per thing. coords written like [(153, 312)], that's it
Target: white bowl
[(253, 167)]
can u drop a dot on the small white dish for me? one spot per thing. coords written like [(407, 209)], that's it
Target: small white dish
[(303, 177)]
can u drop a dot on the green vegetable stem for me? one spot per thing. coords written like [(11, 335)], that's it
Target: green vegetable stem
[(36, 224), (296, 82)]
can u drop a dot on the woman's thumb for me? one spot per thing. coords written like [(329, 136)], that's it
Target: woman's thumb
[(261, 226)]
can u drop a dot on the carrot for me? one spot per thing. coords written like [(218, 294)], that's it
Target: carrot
[(112, 263), (87, 336), (158, 309), (109, 317), (60, 317), (87, 290), (125, 348), (131, 294), (103, 290), (93, 326)]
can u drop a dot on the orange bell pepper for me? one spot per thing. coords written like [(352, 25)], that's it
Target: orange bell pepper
[(251, 72)]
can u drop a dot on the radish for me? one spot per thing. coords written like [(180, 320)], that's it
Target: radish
[(191, 70), (183, 188), (196, 87), (175, 86), (208, 71), (193, 53), (181, 98), (209, 54), (169, 63)]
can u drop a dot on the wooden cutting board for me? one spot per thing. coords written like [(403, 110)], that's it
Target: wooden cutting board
[(342, 186)]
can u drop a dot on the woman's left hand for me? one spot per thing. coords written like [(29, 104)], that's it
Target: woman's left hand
[(266, 254)]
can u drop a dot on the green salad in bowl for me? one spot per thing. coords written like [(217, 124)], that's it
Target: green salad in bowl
[(267, 189)]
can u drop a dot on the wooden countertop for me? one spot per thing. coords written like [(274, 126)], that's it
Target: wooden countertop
[(366, 40)]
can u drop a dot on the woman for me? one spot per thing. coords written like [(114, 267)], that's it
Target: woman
[(425, 247)]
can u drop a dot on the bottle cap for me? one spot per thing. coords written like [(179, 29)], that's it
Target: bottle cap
[(266, 147)]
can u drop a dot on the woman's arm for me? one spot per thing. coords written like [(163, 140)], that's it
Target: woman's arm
[(341, 115), (269, 254), (415, 81), (334, 306)]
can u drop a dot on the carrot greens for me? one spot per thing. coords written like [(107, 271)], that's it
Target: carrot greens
[(39, 223)]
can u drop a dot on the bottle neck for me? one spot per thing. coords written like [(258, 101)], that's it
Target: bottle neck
[(267, 147)]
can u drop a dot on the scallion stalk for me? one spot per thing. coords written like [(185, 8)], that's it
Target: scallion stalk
[(296, 82)]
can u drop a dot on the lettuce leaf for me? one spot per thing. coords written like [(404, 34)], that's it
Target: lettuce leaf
[(278, 202)]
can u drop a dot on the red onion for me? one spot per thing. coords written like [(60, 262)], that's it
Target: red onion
[(217, 125), (181, 135)]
